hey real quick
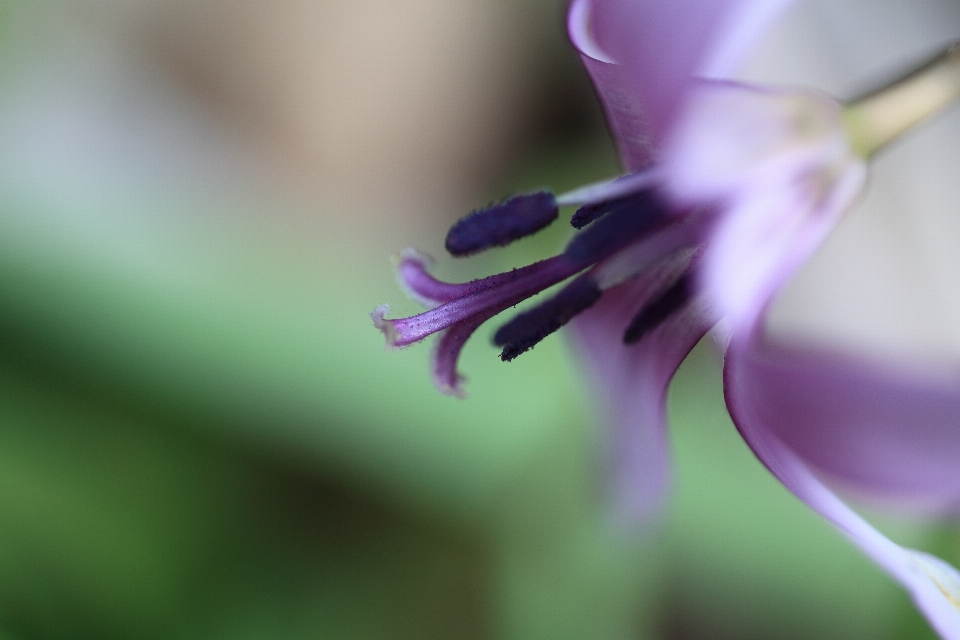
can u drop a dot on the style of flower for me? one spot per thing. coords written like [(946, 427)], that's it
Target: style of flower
[(731, 189)]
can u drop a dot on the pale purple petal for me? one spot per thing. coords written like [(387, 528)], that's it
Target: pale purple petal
[(879, 429), (933, 584), (778, 164), (630, 384), (641, 54), (757, 247)]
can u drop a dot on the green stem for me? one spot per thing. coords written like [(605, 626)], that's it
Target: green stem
[(881, 117)]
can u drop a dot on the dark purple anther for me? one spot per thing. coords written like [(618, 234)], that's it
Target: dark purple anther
[(654, 313), (590, 212), (627, 220), (500, 224), (527, 329)]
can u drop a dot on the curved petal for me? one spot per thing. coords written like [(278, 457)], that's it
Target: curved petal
[(641, 53), (630, 384), (761, 241), (870, 426), (933, 584), (778, 164)]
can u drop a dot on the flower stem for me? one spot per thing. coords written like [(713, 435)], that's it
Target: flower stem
[(877, 119)]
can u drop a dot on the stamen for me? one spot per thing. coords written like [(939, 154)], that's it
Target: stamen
[(460, 308), (501, 224), (529, 328), (654, 313), (590, 212), (629, 219)]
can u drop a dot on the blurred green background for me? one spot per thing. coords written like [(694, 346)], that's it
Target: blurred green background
[(201, 435)]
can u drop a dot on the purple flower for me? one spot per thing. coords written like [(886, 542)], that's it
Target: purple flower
[(731, 189)]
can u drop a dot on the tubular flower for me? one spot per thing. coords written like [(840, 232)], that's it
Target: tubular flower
[(730, 189)]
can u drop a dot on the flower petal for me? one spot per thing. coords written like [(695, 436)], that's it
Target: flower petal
[(933, 584), (641, 53), (762, 240), (756, 247), (873, 427), (777, 163), (630, 385)]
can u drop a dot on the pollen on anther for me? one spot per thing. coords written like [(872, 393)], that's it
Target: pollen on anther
[(500, 224)]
